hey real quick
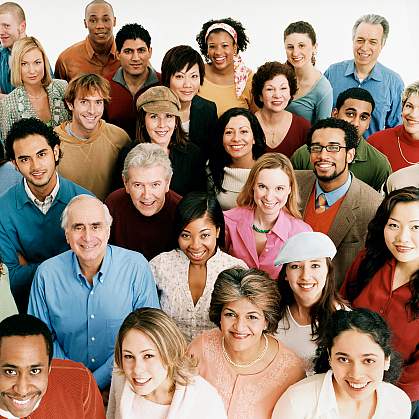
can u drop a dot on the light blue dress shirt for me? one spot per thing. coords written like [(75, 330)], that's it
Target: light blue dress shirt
[(334, 196), (385, 86), (85, 318)]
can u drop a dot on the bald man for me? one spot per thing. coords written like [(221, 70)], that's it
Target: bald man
[(97, 53)]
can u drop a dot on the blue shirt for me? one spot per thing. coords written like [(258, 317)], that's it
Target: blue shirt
[(334, 196), (385, 86), (5, 85), (85, 318)]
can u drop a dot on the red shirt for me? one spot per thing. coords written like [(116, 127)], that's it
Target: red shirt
[(378, 296)]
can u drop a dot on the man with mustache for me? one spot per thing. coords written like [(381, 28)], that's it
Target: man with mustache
[(333, 200)]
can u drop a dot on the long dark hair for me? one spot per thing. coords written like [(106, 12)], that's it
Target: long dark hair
[(377, 253), (322, 309)]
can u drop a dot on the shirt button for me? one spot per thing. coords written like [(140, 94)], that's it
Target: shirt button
[(381, 311), (266, 250), (92, 292), (92, 316), (93, 360), (93, 338)]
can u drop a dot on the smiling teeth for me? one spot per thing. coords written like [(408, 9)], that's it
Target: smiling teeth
[(357, 386), (141, 381), (21, 402), (306, 286)]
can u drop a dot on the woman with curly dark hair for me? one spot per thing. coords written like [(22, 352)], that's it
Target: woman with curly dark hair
[(273, 87), (385, 277), (355, 368), (239, 142), (227, 80)]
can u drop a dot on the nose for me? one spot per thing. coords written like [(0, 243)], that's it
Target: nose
[(355, 121), (87, 234), (240, 324), (356, 370), (305, 272), (138, 367), (404, 234), (269, 194), (195, 242), (22, 385), (146, 191), (135, 55), (161, 121), (100, 23), (186, 82), (91, 107)]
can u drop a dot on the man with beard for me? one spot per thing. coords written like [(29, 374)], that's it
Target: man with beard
[(333, 200)]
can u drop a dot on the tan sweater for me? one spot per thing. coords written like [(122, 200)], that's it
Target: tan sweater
[(91, 163)]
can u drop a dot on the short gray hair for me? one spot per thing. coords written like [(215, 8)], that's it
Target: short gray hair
[(64, 215), (373, 20), (147, 155), (412, 89)]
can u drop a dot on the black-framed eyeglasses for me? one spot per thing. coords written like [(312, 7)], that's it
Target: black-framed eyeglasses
[(331, 148)]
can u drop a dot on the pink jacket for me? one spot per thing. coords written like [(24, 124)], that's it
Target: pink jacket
[(240, 241)]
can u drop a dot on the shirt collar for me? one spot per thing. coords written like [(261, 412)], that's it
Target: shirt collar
[(151, 79), (327, 398), (50, 197), (280, 226), (91, 52), (361, 151), (376, 72), (335, 195), (100, 275)]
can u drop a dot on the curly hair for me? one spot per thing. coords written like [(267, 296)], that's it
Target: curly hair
[(361, 320), (242, 39), (377, 252), (267, 72), (219, 158)]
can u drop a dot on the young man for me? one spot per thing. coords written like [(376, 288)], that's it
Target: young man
[(355, 105), (30, 211), (333, 200), (90, 145), (97, 53), (369, 35), (135, 75), (32, 385)]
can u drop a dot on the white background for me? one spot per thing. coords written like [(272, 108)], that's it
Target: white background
[(58, 24)]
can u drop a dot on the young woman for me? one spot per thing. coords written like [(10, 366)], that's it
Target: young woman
[(155, 378), (354, 367), (183, 70), (186, 276), (238, 144), (385, 277), (273, 87), (241, 359), (308, 292), (36, 94), (314, 97), (159, 123), (227, 80), (267, 214)]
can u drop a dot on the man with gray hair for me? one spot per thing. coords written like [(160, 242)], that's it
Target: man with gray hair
[(84, 294), (144, 211), (369, 35)]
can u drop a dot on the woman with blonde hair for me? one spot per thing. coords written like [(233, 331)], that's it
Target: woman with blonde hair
[(267, 214), (155, 377), (241, 358), (36, 93)]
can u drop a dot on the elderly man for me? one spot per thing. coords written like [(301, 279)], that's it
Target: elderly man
[(87, 141), (30, 211), (144, 211), (33, 385), (84, 294), (334, 201), (355, 105), (97, 53), (12, 28), (369, 35)]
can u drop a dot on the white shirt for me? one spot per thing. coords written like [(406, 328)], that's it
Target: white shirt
[(45, 205), (314, 398)]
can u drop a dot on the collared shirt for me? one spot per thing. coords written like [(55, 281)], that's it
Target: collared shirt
[(45, 205), (314, 398), (385, 86), (336, 194), (85, 318), (151, 80), (5, 84)]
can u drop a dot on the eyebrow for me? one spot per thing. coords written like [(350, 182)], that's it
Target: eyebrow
[(17, 367), (409, 221), (144, 350), (204, 229), (22, 156), (249, 312), (363, 355)]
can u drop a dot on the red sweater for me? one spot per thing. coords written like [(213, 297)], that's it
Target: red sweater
[(378, 296)]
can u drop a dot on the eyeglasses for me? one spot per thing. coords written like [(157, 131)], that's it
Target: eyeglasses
[(329, 148)]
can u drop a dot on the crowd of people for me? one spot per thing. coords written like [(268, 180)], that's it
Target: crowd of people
[(206, 241)]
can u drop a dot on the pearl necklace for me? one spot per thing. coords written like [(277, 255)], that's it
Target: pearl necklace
[(250, 364), (401, 153)]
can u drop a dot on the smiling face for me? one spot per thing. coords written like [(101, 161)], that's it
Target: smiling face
[(242, 324), (367, 44), (32, 67), (134, 57), (401, 233), (358, 365), (238, 138), (147, 187), (143, 366), (186, 83), (276, 94), (410, 115), (307, 280), (221, 49), (356, 112), (299, 49), (87, 110), (160, 127), (100, 22), (24, 369), (198, 240)]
